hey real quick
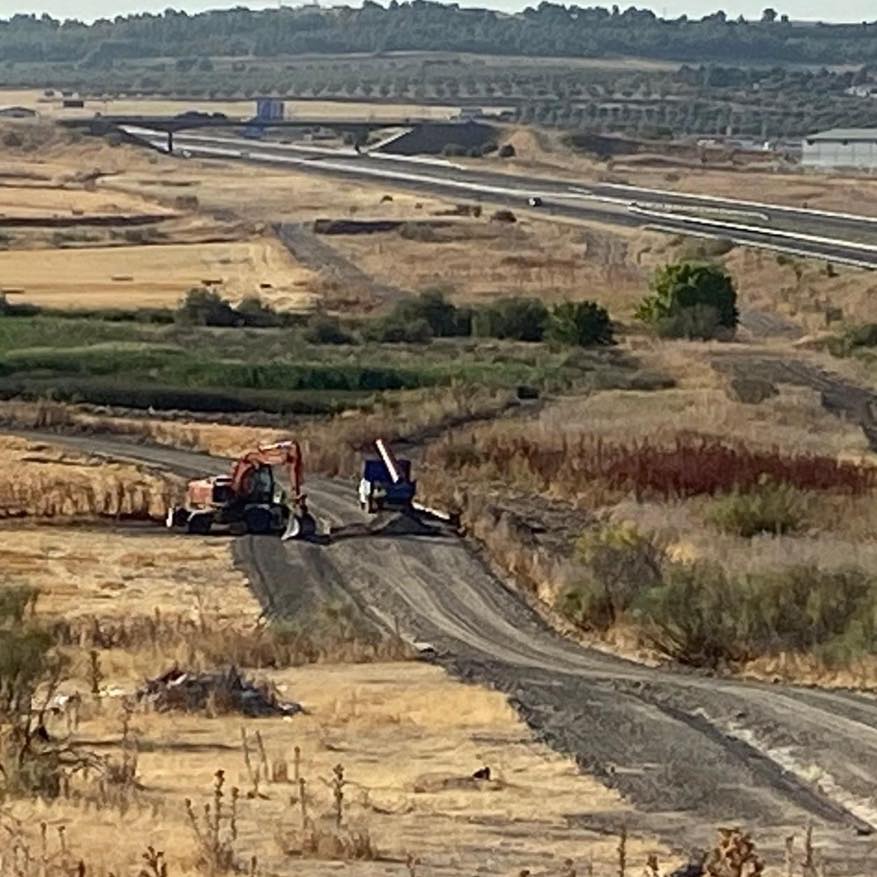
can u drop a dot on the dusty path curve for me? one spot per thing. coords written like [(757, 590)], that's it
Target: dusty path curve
[(688, 751)]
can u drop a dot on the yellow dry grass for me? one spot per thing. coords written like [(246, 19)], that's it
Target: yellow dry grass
[(41, 481), (408, 763), (267, 195), (794, 420), (479, 260), (123, 574), (156, 276), (50, 202)]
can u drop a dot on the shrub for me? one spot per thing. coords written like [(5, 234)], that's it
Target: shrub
[(28, 665), (503, 216), (506, 151), (581, 323), (252, 311), (444, 319), (692, 615), (205, 307), (684, 285), (768, 508), (618, 564), (697, 323), (854, 338), (517, 319), (701, 616), (392, 330), (325, 329)]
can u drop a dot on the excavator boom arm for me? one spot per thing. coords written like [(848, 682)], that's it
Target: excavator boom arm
[(279, 454)]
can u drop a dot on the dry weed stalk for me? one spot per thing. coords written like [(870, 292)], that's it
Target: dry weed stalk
[(154, 864), (119, 783), (255, 773), (216, 832), (327, 838), (734, 855), (20, 856)]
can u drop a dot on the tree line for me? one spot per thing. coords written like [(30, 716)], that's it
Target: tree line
[(547, 30)]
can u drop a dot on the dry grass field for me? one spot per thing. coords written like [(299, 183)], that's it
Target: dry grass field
[(50, 203), (476, 260), (265, 194), (44, 482), (156, 276)]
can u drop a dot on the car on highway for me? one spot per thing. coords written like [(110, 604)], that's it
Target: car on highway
[(534, 201)]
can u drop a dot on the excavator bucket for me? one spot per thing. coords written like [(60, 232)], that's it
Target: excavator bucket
[(301, 523)]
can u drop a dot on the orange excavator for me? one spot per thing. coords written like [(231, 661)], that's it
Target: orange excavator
[(249, 500)]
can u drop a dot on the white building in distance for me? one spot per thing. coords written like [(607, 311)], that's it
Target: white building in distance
[(841, 148)]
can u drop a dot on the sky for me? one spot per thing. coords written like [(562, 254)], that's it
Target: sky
[(87, 10)]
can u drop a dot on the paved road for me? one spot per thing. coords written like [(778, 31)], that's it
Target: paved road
[(838, 237), (688, 751)]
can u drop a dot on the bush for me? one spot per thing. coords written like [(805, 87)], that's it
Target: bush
[(697, 323), (770, 508), (581, 323), (252, 311), (204, 307), (683, 286), (503, 216), (693, 616), (618, 564), (506, 151), (392, 330), (517, 319), (28, 666), (854, 338), (445, 320), (325, 329), (701, 616)]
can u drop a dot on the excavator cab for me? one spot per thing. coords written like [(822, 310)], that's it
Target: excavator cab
[(258, 485)]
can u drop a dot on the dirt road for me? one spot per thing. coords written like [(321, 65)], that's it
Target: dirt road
[(689, 752)]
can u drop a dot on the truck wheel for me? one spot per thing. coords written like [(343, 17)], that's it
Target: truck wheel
[(258, 520), (199, 525)]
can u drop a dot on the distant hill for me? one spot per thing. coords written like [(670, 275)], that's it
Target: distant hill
[(549, 30)]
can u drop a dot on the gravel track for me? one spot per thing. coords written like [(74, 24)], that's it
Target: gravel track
[(687, 751)]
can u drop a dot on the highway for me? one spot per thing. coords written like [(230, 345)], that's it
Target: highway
[(845, 238)]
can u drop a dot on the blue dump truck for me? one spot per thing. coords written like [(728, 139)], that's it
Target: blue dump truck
[(386, 482)]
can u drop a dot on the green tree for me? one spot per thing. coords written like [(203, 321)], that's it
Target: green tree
[(580, 323), (684, 289)]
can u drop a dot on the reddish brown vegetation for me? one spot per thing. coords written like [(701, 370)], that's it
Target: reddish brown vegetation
[(691, 465)]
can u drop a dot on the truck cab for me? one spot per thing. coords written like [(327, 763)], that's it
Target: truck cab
[(378, 490)]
